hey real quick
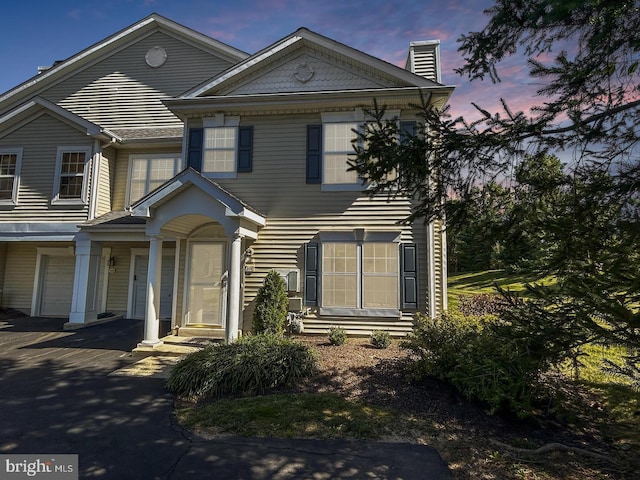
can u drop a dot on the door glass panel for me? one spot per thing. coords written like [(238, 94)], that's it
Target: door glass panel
[(205, 276)]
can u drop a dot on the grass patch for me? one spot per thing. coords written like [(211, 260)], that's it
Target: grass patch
[(319, 415), (474, 283)]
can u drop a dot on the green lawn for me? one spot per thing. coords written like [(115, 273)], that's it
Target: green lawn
[(474, 283)]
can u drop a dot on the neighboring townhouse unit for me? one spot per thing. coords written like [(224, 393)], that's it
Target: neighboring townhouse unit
[(161, 174)]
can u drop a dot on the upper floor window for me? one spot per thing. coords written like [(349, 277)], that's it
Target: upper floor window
[(148, 172), (10, 160), (330, 147), (224, 148), (72, 172), (219, 150), (338, 146)]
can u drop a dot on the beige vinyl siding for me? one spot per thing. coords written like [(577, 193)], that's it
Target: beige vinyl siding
[(118, 287), (3, 266), (40, 139), (19, 275), (297, 211), (103, 199), (440, 270), (123, 91)]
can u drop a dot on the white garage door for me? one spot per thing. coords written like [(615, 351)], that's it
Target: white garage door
[(57, 285)]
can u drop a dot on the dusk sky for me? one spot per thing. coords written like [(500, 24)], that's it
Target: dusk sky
[(38, 32)]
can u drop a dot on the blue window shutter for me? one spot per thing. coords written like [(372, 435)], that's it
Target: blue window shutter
[(245, 149), (311, 272), (194, 150), (409, 275), (314, 153)]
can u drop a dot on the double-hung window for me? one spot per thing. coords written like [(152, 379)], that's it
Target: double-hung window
[(369, 275), (360, 275), (330, 146), (224, 148), (10, 160), (219, 151), (72, 172), (338, 146), (148, 172)]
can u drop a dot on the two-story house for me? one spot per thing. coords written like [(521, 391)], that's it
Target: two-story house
[(160, 174)]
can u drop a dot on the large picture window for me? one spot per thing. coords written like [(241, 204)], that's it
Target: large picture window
[(72, 165), (360, 275), (10, 160), (149, 172)]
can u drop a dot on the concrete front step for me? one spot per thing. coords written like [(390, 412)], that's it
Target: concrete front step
[(173, 345)]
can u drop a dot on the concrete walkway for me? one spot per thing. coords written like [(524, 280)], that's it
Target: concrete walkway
[(60, 395)]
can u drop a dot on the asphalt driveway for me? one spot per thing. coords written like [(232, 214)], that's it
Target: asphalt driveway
[(57, 397)]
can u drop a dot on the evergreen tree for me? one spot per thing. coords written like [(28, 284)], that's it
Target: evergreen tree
[(589, 110)]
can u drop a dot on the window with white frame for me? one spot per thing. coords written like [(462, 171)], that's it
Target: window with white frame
[(10, 160), (72, 172), (148, 172), (360, 275), (219, 150), (337, 147)]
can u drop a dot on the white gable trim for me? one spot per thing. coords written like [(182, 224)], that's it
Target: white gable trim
[(91, 128), (234, 208), (319, 41)]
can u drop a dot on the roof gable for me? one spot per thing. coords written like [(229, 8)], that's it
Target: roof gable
[(234, 207), (36, 106), (306, 61), (62, 70)]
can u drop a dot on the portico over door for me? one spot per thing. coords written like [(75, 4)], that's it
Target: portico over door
[(206, 284)]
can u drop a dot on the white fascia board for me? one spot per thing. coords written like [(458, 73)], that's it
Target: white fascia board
[(248, 215), (256, 102)]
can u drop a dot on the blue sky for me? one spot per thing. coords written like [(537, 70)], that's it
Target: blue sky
[(38, 32)]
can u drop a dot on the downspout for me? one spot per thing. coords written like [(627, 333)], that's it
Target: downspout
[(97, 154)]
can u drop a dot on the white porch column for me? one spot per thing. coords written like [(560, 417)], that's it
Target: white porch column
[(85, 280), (151, 320), (233, 316)]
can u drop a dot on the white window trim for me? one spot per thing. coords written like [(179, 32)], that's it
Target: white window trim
[(357, 116), (16, 176), (221, 120), (359, 238), (84, 197), (154, 156)]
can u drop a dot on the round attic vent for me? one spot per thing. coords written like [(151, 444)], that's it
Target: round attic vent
[(156, 56)]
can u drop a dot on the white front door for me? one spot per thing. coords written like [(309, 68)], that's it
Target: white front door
[(206, 283), (140, 286)]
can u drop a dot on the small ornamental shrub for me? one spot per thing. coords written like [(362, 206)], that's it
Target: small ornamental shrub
[(252, 365), (337, 336), (380, 339), (272, 303)]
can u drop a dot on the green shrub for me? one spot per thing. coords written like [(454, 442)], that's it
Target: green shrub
[(272, 303), (337, 336), (380, 339), (482, 364), (252, 365)]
